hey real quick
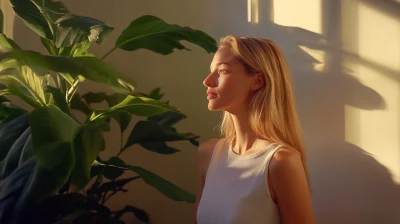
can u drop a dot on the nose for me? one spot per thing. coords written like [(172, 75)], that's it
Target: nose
[(210, 81)]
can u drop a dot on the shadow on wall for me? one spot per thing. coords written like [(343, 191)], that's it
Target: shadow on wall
[(348, 185)]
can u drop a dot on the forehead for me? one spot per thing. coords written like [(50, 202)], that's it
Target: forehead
[(223, 55)]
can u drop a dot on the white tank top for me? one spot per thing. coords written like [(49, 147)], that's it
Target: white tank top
[(236, 188)]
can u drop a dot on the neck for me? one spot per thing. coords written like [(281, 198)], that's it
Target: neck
[(245, 137)]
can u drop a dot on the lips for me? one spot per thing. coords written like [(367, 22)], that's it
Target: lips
[(211, 95)]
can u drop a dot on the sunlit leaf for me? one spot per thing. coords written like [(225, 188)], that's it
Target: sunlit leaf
[(139, 106), (90, 68), (7, 44)]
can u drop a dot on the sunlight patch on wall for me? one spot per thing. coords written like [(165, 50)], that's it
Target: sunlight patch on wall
[(305, 14), (253, 11), (376, 131), (380, 37)]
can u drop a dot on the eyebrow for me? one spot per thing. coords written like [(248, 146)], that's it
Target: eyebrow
[(220, 63)]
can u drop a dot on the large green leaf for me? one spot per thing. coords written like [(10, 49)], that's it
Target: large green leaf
[(7, 44), (151, 135), (35, 84), (139, 106), (15, 88), (168, 118), (72, 29), (152, 33), (24, 84), (19, 78), (165, 187), (32, 17), (53, 133), (111, 172), (87, 145), (89, 67)]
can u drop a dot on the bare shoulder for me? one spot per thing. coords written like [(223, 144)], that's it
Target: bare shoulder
[(285, 159), (286, 169)]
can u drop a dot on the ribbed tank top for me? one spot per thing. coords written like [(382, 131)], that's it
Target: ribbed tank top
[(236, 188)]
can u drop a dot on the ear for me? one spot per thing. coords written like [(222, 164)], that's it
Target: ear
[(258, 81)]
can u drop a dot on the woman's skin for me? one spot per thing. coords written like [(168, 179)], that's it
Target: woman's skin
[(229, 88)]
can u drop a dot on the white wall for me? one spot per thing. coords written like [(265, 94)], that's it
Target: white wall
[(345, 59)]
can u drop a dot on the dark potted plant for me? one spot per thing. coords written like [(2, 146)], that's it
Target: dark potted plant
[(46, 151)]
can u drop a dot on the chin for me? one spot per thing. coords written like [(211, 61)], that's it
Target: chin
[(214, 107)]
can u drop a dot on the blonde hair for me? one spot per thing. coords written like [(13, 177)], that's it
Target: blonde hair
[(272, 113)]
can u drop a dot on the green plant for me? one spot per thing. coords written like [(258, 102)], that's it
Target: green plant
[(46, 150)]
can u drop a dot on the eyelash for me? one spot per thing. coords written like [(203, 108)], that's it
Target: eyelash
[(222, 71)]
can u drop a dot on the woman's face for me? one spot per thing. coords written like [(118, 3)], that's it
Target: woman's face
[(228, 84)]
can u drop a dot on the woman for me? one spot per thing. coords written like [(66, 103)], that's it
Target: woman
[(256, 174)]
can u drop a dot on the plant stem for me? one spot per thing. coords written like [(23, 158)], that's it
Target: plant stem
[(103, 199), (113, 49), (72, 90), (49, 23), (119, 153)]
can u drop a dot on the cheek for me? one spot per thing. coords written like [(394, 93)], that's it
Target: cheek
[(231, 89)]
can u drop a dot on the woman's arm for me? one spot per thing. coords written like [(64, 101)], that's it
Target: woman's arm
[(290, 187)]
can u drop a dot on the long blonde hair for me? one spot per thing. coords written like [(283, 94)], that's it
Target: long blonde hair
[(272, 112)]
